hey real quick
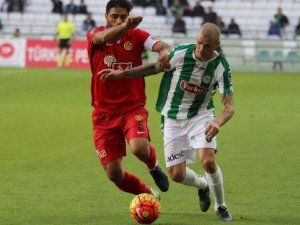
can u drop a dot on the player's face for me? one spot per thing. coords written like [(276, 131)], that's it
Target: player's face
[(205, 47), (116, 16)]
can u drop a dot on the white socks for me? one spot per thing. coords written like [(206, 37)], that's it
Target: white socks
[(215, 183), (193, 179)]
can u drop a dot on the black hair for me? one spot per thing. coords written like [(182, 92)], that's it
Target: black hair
[(120, 4)]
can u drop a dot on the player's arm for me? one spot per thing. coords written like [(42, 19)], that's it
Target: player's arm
[(226, 114), (164, 50), (140, 71), (114, 33)]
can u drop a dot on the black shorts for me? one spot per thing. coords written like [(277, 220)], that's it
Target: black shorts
[(64, 43)]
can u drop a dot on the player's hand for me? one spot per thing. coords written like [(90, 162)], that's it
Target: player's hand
[(163, 59), (212, 130), (110, 74), (133, 22)]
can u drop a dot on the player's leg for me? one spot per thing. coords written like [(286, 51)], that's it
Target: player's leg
[(59, 56), (137, 135), (110, 145), (182, 174), (178, 152), (123, 180), (67, 56), (215, 182)]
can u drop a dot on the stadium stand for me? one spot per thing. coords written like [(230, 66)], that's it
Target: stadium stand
[(252, 16)]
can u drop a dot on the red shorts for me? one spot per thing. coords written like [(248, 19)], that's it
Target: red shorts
[(110, 131)]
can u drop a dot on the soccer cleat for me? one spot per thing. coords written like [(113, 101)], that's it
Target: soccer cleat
[(160, 178), (223, 214), (156, 194), (204, 199)]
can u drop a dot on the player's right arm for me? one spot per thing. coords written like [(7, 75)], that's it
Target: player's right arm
[(115, 33), (140, 71)]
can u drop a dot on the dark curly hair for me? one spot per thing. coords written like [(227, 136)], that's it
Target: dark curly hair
[(120, 4)]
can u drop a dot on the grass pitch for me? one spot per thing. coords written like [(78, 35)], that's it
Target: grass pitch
[(50, 174)]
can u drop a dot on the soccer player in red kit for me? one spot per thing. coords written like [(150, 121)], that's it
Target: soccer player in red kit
[(119, 105)]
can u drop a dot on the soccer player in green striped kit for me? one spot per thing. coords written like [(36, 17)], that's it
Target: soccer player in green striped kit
[(185, 100)]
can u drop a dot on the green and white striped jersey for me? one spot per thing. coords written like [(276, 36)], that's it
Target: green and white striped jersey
[(188, 86)]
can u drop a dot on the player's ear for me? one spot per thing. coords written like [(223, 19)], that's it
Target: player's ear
[(218, 44)]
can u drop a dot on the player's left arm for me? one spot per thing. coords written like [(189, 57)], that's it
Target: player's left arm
[(139, 71), (164, 50), (226, 114)]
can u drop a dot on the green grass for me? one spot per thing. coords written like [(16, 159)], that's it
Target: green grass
[(50, 174)]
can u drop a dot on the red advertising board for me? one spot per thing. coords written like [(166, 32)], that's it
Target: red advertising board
[(43, 54)]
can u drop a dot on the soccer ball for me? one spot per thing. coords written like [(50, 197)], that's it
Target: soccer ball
[(144, 208)]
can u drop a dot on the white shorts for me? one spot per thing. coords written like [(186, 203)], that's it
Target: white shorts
[(182, 138)]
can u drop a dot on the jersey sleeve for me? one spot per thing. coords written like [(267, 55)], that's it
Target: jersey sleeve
[(150, 42), (224, 78), (72, 28), (91, 33), (144, 38)]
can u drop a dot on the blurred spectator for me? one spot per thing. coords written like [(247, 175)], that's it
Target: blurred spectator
[(160, 9), (57, 6), (179, 25), (143, 3), (297, 29), (1, 25), (137, 2), (71, 8), (187, 11), (211, 16), (82, 8), (16, 33), (221, 25), (88, 23), (274, 29), (177, 8), (6, 6), (17, 5), (281, 19), (198, 9), (233, 28)]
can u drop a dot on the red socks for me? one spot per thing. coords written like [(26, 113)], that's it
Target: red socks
[(151, 161), (133, 185)]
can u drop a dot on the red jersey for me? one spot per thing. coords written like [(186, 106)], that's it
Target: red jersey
[(117, 96)]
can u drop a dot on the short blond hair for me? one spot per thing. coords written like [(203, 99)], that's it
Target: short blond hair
[(211, 30)]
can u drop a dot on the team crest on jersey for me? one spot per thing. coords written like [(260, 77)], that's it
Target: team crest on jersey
[(92, 31), (128, 45), (139, 118), (192, 88), (206, 79), (109, 60)]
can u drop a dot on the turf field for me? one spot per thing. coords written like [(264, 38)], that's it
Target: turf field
[(50, 174)]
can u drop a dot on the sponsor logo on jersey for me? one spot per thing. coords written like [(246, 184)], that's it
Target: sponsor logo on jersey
[(173, 157), (109, 60), (192, 88), (121, 66), (206, 79), (128, 45), (101, 154)]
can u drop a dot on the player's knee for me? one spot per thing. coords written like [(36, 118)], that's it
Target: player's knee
[(140, 150), (114, 176), (209, 165), (176, 175)]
